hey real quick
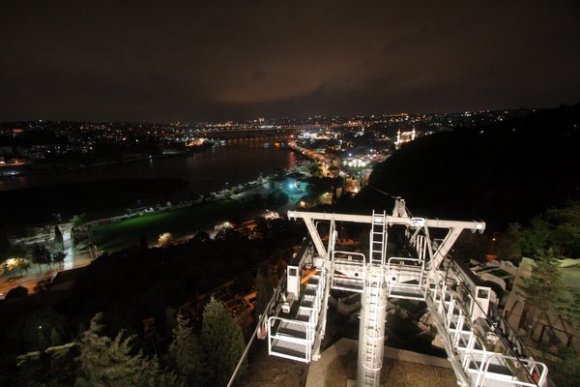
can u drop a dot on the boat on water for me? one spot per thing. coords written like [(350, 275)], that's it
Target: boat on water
[(8, 174)]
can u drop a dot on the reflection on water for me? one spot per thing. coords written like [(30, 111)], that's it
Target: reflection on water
[(206, 170)]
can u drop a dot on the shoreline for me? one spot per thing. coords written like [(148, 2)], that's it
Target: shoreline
[(32, 171)]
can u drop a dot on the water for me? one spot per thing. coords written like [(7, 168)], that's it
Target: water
[(207, 170)]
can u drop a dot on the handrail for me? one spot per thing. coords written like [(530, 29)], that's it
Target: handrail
[(350, 253), (307, 342), (482, 356), (541, 375), (404, 259), (291, 321)]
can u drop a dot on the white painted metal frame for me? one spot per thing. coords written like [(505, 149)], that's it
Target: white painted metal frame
[(456, 303), (280, 338)]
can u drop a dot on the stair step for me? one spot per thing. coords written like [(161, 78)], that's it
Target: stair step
[(310, 291), (288, 331), (307, 304), (453, 327), (289, 349), (492, 368)]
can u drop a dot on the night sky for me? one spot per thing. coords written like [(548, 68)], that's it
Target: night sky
[(195, 60)]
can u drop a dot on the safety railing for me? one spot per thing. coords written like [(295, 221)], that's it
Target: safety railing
[(406, 278), (293, 338), (458, 313), (348, 271), (514, 371), (290, 339)]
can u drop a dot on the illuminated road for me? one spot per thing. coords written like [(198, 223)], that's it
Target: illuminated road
[(27, 281), (72, 260)]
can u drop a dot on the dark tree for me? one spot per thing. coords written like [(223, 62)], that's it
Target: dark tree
[(509, 244), (566, 228), (543, 289), (79, 227), (49, 369), (536, 238), (185, 351), (143, 241), (17, 250), (58, 258), (201, 237), (223, 342), (4, 245), (42, 285), (35, 330), (58, 243), (566, 372), (107, 362), (17, 292), (470, 246), (265, 288), (41, 255)]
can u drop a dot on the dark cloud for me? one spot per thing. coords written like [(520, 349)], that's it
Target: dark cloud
[(183, 60), (259, 75)]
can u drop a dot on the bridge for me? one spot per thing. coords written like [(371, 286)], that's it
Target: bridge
[(244, 132)]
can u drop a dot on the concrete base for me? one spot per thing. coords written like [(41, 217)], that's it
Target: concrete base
[(317, 370)]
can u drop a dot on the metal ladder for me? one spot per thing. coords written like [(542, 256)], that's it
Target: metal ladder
[(372, 327), (378, 239)]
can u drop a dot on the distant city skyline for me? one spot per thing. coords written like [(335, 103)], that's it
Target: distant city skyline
[(161, 61)]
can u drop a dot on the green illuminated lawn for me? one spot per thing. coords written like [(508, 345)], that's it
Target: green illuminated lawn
[(571, 277), (181, 222)]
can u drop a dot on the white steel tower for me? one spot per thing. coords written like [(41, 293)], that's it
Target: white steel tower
[(481, 348)]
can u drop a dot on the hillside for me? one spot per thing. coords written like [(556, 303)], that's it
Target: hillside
[(502, 173)]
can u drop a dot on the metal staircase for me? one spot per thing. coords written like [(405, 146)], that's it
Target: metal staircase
[(459, 316), (293, 337)]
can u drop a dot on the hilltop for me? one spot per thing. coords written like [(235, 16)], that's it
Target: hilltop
[(500, 173)]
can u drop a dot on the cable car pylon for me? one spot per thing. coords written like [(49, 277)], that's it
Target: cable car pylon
[(463, 311)]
